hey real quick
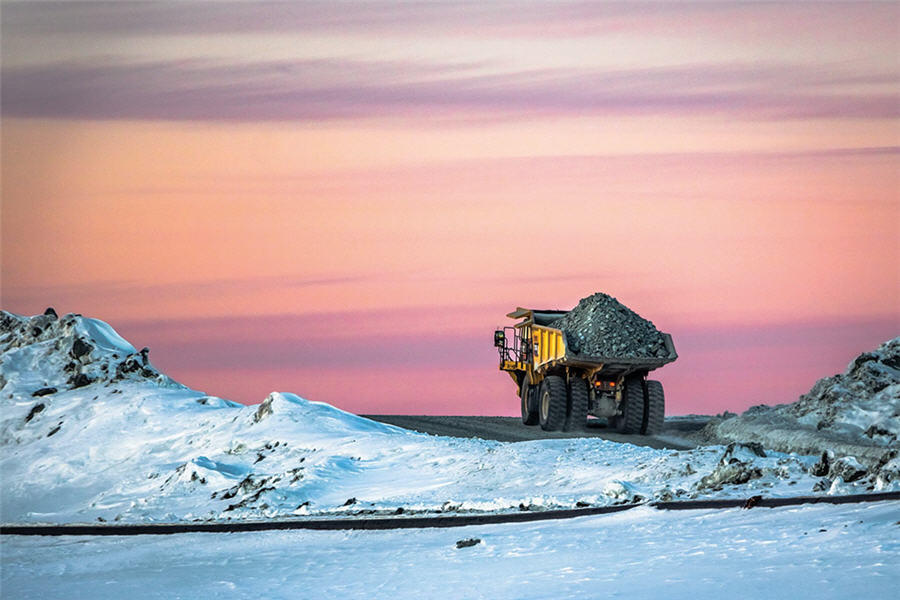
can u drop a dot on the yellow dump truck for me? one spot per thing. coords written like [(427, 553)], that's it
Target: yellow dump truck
[(558, 388)]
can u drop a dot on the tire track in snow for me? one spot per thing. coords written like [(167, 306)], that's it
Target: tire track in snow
[(383, 523)]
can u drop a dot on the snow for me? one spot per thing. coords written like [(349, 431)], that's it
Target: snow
[(90, 431), (820, 552), (104, 336), (134, 446)]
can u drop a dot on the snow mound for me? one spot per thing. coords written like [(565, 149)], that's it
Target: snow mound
[(854, 416), (132, 445), (601, 326), (45, 354), (292, 407)]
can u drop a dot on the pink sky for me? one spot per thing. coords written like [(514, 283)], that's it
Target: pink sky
[(345, 203)]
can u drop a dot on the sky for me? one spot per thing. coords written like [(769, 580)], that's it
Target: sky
[(343, 200)]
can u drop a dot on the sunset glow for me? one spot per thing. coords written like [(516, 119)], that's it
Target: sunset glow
[(344, 202)]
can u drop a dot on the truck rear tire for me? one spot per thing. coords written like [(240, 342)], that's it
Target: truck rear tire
[(553, 401), (528, 397), (656, 407), (632, 419), (578, 403)]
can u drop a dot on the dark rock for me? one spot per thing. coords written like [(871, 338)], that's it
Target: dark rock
[(54, 430), (7, 322), (80, 348), (81, 380), (876, 430), (129, 365), (44, 391), (145, 352), (822, 485), (350, 502), (468, 542), (821, 468), (51, 313), (34, 410), (36, 331)]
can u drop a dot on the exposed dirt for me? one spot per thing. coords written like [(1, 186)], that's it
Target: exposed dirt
[(511, 429)]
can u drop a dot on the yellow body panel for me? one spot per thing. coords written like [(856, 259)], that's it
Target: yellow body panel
[(548, 344)]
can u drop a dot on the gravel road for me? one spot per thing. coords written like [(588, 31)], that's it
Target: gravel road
[(511, 429)]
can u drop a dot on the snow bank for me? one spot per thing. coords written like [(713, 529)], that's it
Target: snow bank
[(126, 443), (808, 552), (852, 420)]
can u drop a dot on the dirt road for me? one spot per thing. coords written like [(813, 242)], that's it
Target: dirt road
[(511, 429)]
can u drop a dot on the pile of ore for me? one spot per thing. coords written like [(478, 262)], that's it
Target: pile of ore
[(600, 326)]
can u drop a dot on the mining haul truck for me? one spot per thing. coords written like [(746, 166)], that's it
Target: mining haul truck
[(558, 389)]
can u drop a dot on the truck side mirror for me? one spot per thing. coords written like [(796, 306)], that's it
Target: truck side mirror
[(499, 338)]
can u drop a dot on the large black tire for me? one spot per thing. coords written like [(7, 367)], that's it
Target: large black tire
[(632, 419), (656, 407), (528, 397), (578, 404), (553, 403)]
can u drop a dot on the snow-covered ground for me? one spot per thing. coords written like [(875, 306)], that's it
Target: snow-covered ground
[(118, 441), (90, 431), (820, 552)]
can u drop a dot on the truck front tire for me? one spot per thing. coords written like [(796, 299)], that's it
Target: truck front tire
[(529, 401), (553, 403)]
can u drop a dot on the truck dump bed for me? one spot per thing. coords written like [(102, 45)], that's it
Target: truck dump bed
[(613, 366), (548, 347)]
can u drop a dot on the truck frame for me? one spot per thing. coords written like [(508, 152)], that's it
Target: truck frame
[(558, 388)]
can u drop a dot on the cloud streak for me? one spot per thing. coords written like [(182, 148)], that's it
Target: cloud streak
[(341, 89), (531, 18)]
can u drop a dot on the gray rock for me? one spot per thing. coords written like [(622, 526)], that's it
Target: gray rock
[(600, 326), (848, 469)]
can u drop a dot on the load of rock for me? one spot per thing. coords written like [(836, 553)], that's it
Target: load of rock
[(601, 326)]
